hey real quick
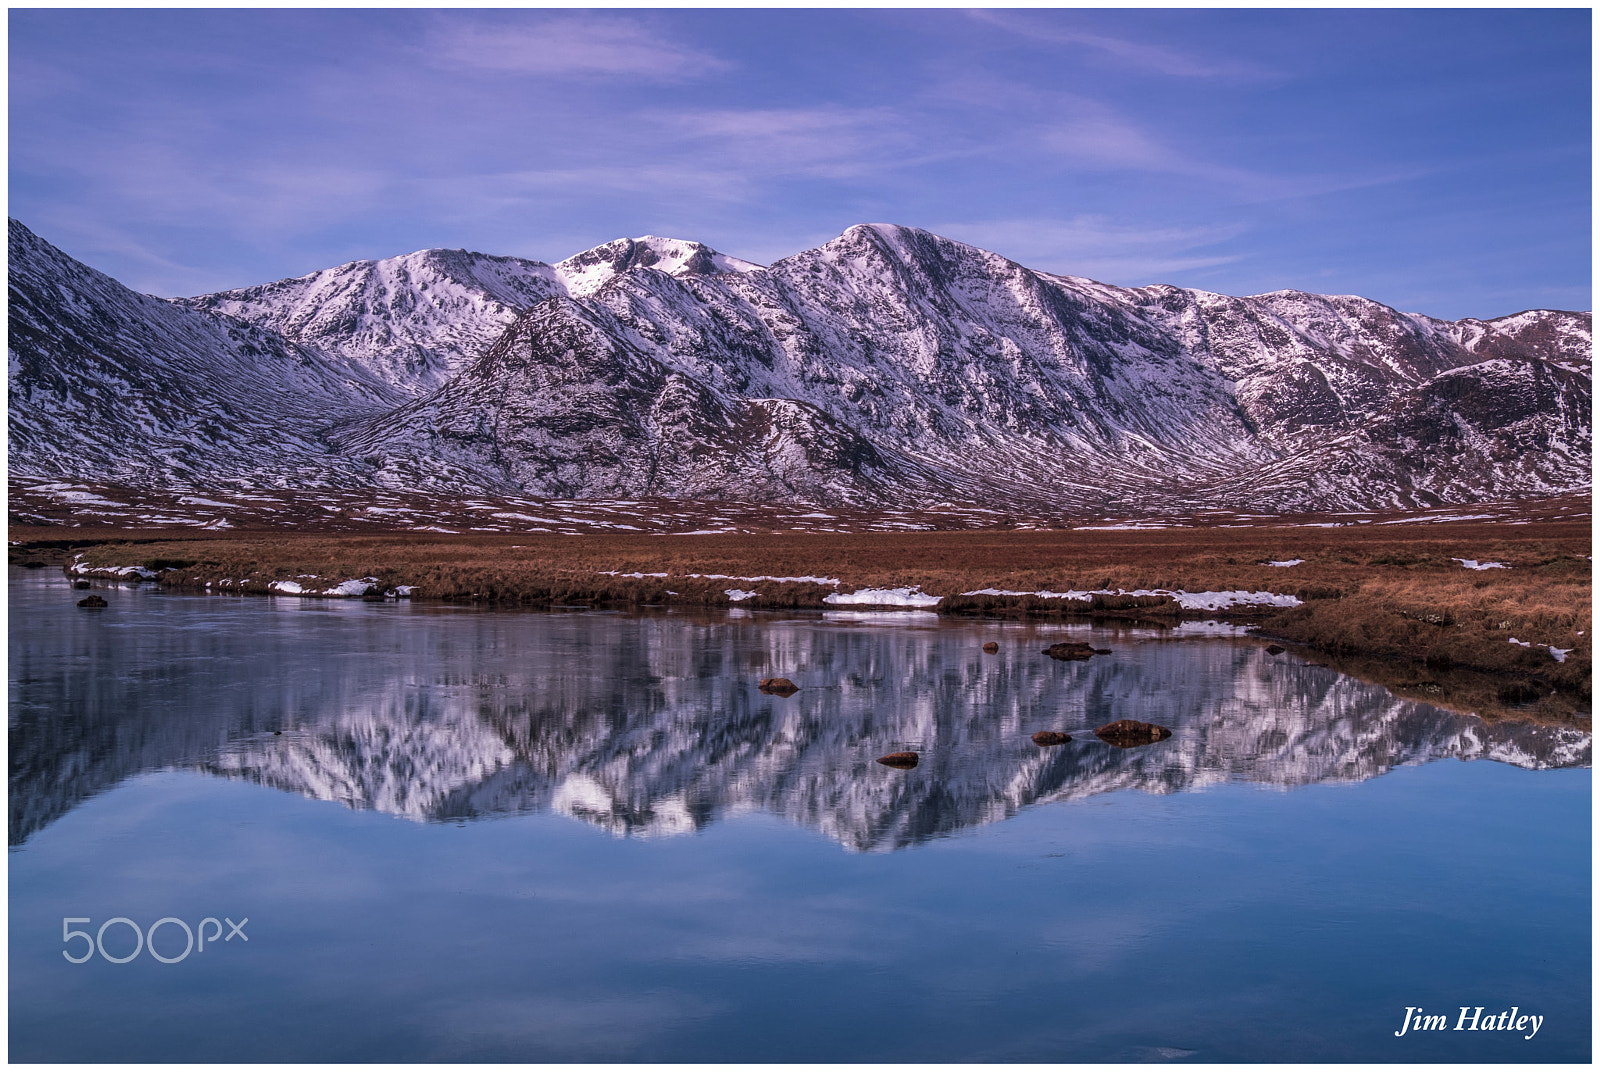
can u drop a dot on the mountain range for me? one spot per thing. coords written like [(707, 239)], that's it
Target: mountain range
[(889, 367)]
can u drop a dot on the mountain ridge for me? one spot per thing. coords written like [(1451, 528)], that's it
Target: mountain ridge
[(887, 366)]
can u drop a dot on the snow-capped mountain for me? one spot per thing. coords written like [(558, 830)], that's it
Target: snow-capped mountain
[(107, 382), (563, 403), (419, 319), (889, 366)]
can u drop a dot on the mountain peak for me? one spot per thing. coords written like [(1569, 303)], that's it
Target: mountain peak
[(907, 245), (891, 232), (889, 235), (586, 272), (890, 365)]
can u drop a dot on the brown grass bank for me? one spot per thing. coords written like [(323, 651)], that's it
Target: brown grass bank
[(1390, 593)]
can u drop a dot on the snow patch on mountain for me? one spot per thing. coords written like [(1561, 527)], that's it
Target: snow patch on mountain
[(889, 367), (585, 273), (418, 319)]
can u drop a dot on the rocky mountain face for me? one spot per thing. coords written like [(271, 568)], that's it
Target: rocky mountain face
[(564, 402), (419, 319), (888, 367), (105, 382)]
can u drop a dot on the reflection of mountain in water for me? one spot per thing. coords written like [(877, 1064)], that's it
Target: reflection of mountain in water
[(654, 726)]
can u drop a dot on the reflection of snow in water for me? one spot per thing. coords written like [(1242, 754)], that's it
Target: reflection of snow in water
[(1207, 628), (647, 751), (654, 725), (882, 617)]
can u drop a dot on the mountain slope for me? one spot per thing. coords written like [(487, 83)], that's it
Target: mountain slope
[(887, 367), (109, 384), (416, 320), (561, 403), (994, 381)]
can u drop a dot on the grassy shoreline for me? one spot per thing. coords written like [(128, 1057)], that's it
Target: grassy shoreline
[(1394, 598)]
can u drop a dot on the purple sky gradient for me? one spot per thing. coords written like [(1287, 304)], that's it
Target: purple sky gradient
[(1436, 160)]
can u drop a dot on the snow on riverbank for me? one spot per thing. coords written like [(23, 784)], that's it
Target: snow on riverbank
[(913, 597), (346, 589), (1558, 654), (1186, 600), (83, 569), (884, 597), (780, 580), (728, 577), (1224, 600)]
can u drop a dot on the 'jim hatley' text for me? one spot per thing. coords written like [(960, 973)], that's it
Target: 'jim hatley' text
[(1506, 1021)]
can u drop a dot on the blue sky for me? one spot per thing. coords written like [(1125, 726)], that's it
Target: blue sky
[(1436, 160)]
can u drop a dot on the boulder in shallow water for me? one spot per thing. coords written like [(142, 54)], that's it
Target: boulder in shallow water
[(1074, 651), (1274, 649), (92, 601), (778, 686), (1131, 733), (81, 584), (1046, 738), (991, 647), (903, 760)]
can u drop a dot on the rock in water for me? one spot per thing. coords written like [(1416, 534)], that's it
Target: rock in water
[(92, 601), (991, 647), (778, 686), (903, 760), (81, 584), (1273, 649), (1046, 738), (1131, 733), (1074, 651)]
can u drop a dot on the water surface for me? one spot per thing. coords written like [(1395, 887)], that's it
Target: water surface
[(464, 834)]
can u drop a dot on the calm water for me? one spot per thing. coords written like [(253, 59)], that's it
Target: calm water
[(461, 834)]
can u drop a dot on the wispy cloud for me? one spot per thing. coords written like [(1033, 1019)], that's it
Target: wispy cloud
[(90, 240), (567, 45), (1137, 55), (1096, 137), (176, 183), (1077, 131), (1099, 247), (832, 142), (186, 152), (1090, 134), (480, 196), (703, 162)]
